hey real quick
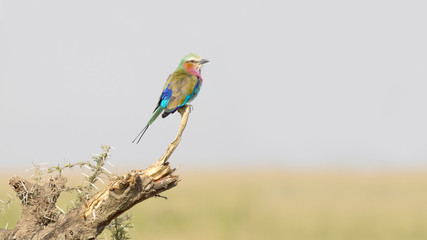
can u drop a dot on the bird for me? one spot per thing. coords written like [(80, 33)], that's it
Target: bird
[(181, 87)]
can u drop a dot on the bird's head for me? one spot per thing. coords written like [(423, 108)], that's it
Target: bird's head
[(192, 63)]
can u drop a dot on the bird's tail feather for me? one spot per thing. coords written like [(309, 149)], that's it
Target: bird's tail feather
[(152, 119), (140, 134), (155, 115)]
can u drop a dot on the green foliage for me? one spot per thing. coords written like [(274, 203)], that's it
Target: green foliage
[(97, 169), (119, 227)]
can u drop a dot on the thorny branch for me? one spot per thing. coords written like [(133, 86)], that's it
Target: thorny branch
[(41, 219)]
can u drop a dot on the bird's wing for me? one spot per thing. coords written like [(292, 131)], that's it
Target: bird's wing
[(181, 90), (164, 94)]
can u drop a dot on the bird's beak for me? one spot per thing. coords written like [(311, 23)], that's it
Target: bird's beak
[(203, 61)]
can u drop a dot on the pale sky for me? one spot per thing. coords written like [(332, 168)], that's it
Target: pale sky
[(297, 84)]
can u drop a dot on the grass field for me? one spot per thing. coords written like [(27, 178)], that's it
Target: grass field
[(280, 205)]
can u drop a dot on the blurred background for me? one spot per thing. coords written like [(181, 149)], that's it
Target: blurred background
[(310, 124)]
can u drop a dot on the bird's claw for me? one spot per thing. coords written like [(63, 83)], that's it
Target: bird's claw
[(191, 107), (183, 109)]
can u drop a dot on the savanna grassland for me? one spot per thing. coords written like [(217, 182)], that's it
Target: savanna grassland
[(279, 205)]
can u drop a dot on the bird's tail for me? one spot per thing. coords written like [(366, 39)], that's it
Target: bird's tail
[(140, 134), (152, 119)]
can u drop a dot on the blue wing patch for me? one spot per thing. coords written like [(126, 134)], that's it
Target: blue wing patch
[(166, 95)]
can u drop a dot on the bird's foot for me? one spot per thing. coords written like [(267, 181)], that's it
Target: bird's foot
[(191, 107), (182, 109)]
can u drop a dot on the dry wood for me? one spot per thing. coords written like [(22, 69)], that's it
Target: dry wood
[(40, 219)]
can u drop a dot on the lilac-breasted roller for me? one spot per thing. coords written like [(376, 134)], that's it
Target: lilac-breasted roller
[(182, 87)]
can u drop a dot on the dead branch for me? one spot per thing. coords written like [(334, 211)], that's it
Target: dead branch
[(40, 219)]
